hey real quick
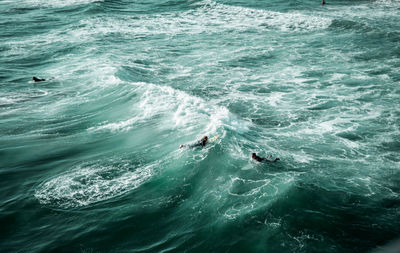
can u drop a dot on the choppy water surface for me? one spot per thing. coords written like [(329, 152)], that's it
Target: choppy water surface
[(90, 160)]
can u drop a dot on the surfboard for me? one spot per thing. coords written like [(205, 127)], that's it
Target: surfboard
[(213, 138)]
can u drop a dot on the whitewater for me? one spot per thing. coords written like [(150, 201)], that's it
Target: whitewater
[(90, 158)]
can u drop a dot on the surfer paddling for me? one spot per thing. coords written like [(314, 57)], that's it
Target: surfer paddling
[(261, 159), (199, 143), (35, 79)]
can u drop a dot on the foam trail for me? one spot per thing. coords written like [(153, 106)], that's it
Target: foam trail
[(90, 183)]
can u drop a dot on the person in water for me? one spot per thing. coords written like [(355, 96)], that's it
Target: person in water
[(199, 143), (261, 159), (35, 79)]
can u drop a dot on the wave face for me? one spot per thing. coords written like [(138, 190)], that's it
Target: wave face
[(90, 159)]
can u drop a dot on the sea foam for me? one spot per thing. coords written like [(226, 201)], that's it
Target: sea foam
[(92, 182)]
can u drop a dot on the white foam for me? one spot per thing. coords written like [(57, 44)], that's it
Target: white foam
[(177, 109), (361, 12), (209, 18), (302, 157), (237, 125), (8, 100), (53, 3), (275, 98), (385, 3), (121, 126), (338, 76), (11, 98), (249, 195), (214, 15), (90, 183), (253, 186)]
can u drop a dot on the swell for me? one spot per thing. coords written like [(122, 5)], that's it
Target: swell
[(96, 149)]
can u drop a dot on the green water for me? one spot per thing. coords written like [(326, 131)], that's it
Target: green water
[(89, 159)]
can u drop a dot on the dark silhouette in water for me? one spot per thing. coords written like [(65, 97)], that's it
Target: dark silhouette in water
[(35, 79), (260, 159), (323, 2), (201, 142)]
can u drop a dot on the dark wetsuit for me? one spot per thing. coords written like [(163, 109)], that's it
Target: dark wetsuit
[(260, 159), (38, 79), (201, 143)]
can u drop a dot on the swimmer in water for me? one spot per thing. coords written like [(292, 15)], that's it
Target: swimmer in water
[(260, 159), (199, 143), (35, 79)]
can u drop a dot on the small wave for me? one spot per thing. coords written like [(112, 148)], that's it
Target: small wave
[(11, 98), (207, 18), (238, 18), (6, 101), (90, 183), (57, 3), (210, 17), (248, 195), (302, 157), (349, 25), (386, 3), (243, 187), (121, 126), (177, 109)]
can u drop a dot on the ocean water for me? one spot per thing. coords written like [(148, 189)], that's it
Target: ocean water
[(89, 159)]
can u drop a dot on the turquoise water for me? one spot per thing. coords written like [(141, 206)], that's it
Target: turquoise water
[(89, 160)]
